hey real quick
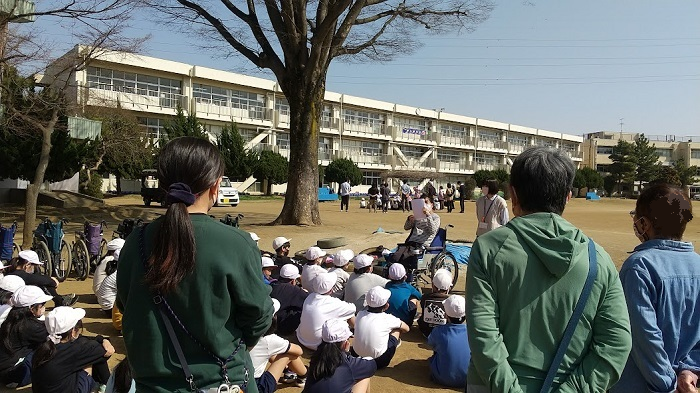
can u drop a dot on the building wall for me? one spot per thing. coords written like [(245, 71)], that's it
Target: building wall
[(379, 136)]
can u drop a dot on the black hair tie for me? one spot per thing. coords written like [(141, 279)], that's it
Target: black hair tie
[(180, 193)]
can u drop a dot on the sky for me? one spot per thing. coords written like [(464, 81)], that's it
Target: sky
[(564, 66)]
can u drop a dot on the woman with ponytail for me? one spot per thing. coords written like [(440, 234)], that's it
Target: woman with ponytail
[(67, 361), (332, 368), (206, 272), (21, 334)]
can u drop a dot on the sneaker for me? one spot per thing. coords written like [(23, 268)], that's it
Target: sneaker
[(288, 377), (300, 382), (69, 300)]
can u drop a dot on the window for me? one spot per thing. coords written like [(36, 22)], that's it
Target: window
[(249, 134), (517, 140), (251, 102), (664, 152), (153, 126), (546, 142), (371, 177), (364, 148), (453, 131), (605, 150), (602, 168), (282, 106), (569, 147), (283, 141), (488, 135), (449, 155), (366, 121), (413, 151), (168, 90), (326, 116), (410, 126), (695, 154), (485, 159)]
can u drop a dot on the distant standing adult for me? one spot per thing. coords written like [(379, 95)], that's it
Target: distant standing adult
[(386, 194), (491, 209), (660, 280), (429, 190), (345, 195), (462, 188), (405, 196), (373, 196), (449, 197)]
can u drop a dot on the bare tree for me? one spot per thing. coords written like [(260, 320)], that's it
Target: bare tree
[(298, 39), (39, 108)]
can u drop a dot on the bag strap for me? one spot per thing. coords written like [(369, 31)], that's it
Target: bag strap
[(575, 317)]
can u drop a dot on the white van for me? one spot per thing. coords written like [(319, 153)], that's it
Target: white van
[(228, 195)]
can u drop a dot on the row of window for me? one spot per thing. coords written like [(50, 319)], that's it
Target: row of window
[(129, 82)]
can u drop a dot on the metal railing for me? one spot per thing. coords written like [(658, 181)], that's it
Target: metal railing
[(127, 96), (249, 112), (491, 144), (371, 129), (456, 141), (365, 159)]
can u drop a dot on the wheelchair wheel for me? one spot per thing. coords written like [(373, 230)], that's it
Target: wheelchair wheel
[(445, 260), (81, 259), (62, 266), (42, 250), (103, 249)]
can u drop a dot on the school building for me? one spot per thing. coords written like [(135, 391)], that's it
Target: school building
[(378, 136)]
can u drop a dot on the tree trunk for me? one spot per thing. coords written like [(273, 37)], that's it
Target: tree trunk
[(119, 183), (305, 104), (268, 190), (32, 195)]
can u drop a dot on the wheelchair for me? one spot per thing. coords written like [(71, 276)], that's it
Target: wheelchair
[(428, 260)]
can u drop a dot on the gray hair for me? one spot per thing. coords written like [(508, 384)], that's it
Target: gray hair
[(542, 178)]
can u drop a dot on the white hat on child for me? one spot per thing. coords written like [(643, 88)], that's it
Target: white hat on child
[(289, 271), (115, 244), (363, 260), (31, 257), (377, 297), (62, 319), (267, 262), (342, 257), (455, 306), (324, 282), (279, 242), (254, 236), (442, 279), (335, 331), (314, 253), (397, 271), (28, 295), (11, 283)]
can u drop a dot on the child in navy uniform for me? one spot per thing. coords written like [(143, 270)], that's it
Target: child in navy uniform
[(431, 304), (451, 354)]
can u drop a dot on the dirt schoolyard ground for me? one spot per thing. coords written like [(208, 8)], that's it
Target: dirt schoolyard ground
[(607, 221)]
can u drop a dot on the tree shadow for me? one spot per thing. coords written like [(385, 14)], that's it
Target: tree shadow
[(413, 372)]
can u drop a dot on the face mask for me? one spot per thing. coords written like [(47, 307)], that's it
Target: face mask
[(640, 236), (485, 190)]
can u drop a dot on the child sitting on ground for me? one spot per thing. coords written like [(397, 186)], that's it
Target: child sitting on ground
[(280, 353), (340, 261), (404, 299), (332, 368), (431, 304), (451, 354), (69, 362), (100, 274), (268, 268), (376, 332), (314, 257), (8, 286)]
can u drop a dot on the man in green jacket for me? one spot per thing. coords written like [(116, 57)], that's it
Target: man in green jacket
[(523, 282)]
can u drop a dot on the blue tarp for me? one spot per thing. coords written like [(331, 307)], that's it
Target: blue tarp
[(460, 252), (592, 196)]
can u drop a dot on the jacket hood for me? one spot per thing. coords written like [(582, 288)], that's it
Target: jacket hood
[(554, 241)]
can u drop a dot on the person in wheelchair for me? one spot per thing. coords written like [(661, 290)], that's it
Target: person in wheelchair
[(423, 231)]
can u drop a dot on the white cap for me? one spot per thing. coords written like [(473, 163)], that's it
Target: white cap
[(377, 297), (28, 295), (254, 236), (342, 257), (31, 257), (363, 260), (455, 306), (289, 271), (335, 331), (116, 254), (62, 319), (275, 305), (324, 282), (268, 262), (442, 279), (279, 241), (11, 283), (115, 244), (397, 271), (314, 253)]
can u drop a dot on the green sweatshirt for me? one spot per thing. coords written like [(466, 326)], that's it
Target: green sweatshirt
[(221, 303), (523, 282)]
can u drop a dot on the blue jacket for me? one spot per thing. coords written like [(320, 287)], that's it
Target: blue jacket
[(399, 302), (661, 280), (448, 365)]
